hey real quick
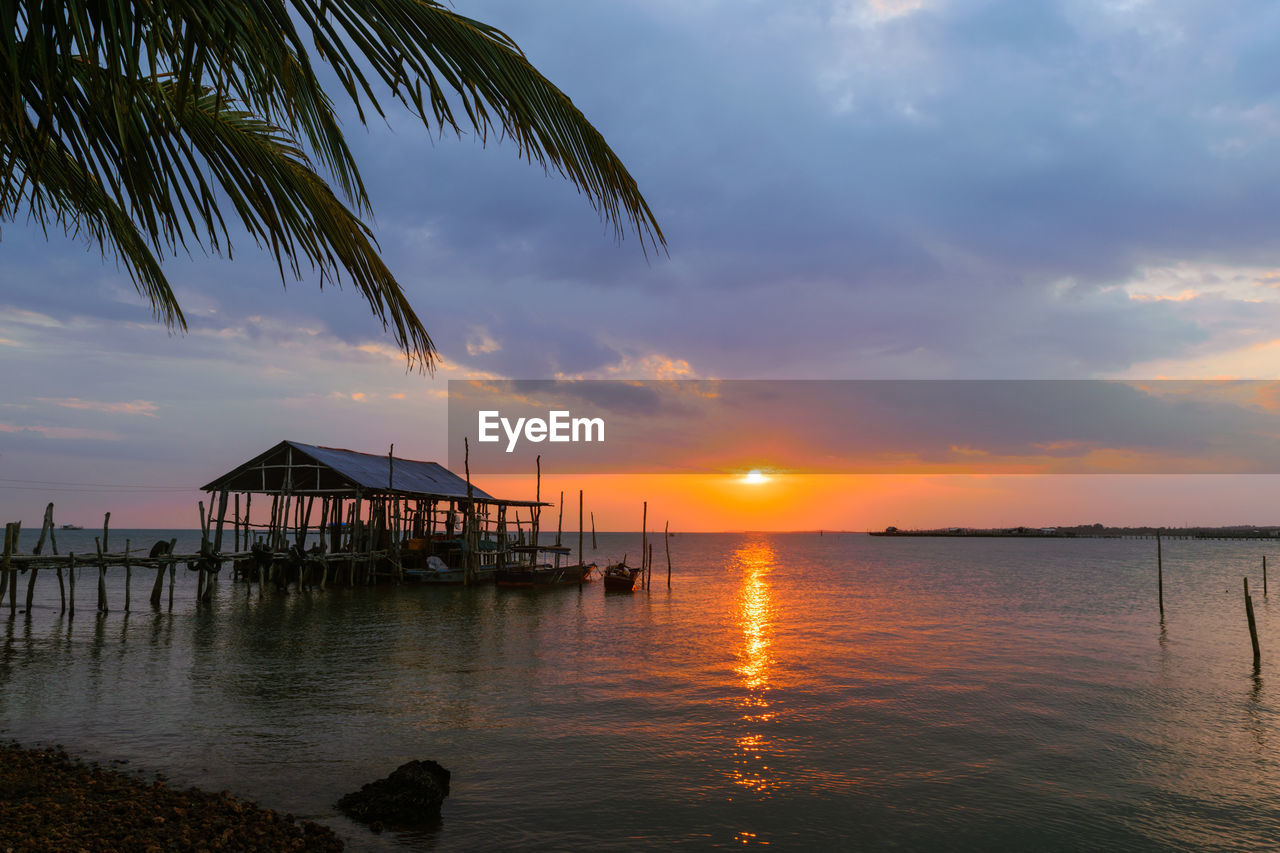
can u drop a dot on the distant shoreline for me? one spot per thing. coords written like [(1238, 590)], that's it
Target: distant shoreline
[(1091, 531)]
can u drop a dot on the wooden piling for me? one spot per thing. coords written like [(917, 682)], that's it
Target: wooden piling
[(102, 576), (1159, 574), (128, 575), (31, 588), (666, 539), (1264, 574), (582, 563), (106, 523), (644, 542), (1253, 625), (593, 530), (71, 578), (10, 578), (158, 586), (560, 520), (46, 529)]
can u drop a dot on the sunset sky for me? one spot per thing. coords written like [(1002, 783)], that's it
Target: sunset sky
[(890, 189)]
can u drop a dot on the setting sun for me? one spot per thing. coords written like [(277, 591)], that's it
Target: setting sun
[(755, 478)]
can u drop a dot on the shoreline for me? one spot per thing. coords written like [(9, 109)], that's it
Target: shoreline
[(50, 799)]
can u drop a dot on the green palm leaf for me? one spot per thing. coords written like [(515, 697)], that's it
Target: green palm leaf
[(138, 121)]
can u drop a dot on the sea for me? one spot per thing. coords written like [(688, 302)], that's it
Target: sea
[(790, 691)]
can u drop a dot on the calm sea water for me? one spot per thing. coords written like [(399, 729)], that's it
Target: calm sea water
[(789, 690)]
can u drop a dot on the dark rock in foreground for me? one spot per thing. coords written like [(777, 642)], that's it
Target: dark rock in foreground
[(410, 796), (49, 801)]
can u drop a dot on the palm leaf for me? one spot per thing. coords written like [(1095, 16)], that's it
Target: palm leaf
[(153, 103)]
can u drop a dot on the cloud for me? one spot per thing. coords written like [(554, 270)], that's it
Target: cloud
[(134, 407)]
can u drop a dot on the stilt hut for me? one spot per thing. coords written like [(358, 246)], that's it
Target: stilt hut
[(357, 517)]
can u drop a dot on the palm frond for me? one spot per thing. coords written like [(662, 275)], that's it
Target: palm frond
[(153, 102)]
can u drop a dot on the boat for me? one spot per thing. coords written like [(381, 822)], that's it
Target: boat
[(534, 574), (620, 577), (438, 571), (73, 527)]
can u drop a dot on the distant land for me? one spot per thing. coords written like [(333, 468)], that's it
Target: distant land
[(1094, 531)]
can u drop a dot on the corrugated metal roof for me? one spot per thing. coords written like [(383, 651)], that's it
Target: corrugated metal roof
[(370, 472), (337, 471)]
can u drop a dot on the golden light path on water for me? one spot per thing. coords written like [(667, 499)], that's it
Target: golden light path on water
[(755, 612)]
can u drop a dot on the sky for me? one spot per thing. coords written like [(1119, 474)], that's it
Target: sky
[(892, 189)]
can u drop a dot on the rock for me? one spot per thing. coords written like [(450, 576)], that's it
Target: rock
[(410, 796)]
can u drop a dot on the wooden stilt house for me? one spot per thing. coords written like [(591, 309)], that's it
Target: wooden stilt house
[(361, 516)]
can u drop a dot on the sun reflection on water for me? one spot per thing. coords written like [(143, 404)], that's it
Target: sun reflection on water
[(755, 613)]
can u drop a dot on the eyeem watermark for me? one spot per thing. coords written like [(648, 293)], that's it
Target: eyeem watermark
[(559, 426)]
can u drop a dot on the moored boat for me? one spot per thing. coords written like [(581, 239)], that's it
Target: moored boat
[(620, 577), (534, 574)]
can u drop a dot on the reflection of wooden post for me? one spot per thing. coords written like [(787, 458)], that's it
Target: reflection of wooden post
[(1253, 626), (1159, 573), (666, 537)]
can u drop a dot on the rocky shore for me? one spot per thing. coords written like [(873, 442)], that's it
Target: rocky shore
[(50, 801)]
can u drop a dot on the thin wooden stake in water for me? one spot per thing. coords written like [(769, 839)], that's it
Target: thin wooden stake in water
[(593, 530), (106, 523), (9, 578), (582, 563), (666, 537), (128, 575), (1253, 626), (560, 520), (1160, 574), (644, 542), (1264, 574)]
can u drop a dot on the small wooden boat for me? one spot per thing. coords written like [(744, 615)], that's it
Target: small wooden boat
[(438, 572), (620, 577), (533, 575)]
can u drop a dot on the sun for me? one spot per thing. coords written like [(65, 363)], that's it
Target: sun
[(755, 478)]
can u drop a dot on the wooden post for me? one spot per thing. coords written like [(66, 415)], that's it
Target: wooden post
[(644, 541), (593, 530), (1264, 573), (31, 588), (106, 522), (10, 577), (45, 528), (102, 576), (1253, 626), (560, 520), (471, 542), (173, 571), (666, 538), (236, 537), (536, 515), (650, 562), (128, 575), (158, 586), (222, 516), (71, 577), (1159, 573), (582, 563)]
